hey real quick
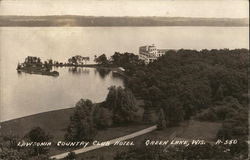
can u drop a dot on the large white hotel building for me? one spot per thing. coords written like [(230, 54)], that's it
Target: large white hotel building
[(149, 53)]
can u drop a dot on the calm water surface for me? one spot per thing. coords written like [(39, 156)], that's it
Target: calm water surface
[(25, 94)]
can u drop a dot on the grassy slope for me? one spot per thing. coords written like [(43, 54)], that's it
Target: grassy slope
[(201, 130), (54, 122), (192, 130)]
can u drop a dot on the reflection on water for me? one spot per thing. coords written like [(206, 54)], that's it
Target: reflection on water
[(19, 73), (78, 70), (103, 72)]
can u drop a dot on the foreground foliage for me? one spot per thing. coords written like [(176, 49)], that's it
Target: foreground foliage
[(195, 152)]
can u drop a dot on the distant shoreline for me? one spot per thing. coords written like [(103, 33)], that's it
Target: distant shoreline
[(118, 26), (90, 21)]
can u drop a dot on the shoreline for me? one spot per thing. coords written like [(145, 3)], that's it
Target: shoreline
[(36, 114), (108, 66)]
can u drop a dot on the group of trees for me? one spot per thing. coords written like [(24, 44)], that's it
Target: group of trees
[(118, 109), (74, 60), (209, 85), (78, 60), (102, 59), (36, 63), (129, 61), (233, 115), (184, 82), (33, 60), (122, 104)]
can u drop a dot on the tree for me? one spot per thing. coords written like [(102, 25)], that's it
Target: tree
[(219, 94), (50, 61), (77, 60), (81, 125), (162, 121), (122, 103), (174, 112), (123, 59), (37, 134), (155, 96), (102, 59), (102, 118), (47, 66)]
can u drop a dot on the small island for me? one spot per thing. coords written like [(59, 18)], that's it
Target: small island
[(34, 65)]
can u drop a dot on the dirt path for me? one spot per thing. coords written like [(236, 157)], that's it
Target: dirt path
[(123, 138)]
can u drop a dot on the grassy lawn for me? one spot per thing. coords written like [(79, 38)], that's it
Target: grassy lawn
[(54, 122), (187, 130), (200, 130)]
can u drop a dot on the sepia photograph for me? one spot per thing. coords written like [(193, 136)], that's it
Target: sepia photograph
[(124, 80)]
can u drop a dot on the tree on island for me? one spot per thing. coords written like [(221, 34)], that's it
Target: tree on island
[(32, 61), (81, 125), (47, 66)]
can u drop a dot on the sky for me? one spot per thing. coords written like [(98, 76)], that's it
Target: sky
[(169, 8)]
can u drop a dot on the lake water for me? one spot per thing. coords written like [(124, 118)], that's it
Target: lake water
[(25, 94)]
